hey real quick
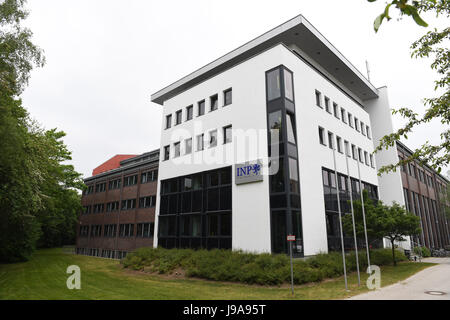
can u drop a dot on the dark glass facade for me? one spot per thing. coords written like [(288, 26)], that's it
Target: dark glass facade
[(331, 207), (284, 187), (195, 211)]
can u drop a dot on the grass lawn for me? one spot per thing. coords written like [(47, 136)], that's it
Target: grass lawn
[(44, 277)]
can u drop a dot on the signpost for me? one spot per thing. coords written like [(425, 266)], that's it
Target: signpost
[(290, 239)]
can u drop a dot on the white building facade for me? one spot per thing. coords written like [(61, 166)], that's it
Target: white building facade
[(291, 103)]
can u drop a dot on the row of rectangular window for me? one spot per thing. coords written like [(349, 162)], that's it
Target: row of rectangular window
[(144, 202), (105, 253), (343, 115), (427, 210), (356, 152), (213, 102), (419, 174), (227, 138), (143, 230), (148, 176)]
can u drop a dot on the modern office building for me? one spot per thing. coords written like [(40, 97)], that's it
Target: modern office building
[(286, 100), (119, 206), (424, 192), (256, 145)]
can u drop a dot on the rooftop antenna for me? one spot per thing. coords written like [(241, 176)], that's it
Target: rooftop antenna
[(368, 71)]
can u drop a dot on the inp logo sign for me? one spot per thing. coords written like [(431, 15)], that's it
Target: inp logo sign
[(248, 172)]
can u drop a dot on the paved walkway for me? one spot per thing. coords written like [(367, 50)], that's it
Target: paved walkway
[(432, 280)]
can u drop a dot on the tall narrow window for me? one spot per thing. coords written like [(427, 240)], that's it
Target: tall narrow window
[(290, 128), (288, 90), (354, 155), (214, 102), (366, 158), (275, 125), (178, 116), (368, 132), (335, 110), (293, 175), (176, 149), (189, 113), (201, 108), (200, 142), (227, 136), (168, 121), (360, 156), (322, 136), (363, 128), (273, 85), (371, 161), (343, 117), (327, 104), (347, 148), (330, 140), (166, 152), (350, 119), (213, 138), (188, 146), (227, 97), (356, 124), (318, 99), (339, 144)]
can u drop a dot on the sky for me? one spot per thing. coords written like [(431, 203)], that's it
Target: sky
[(104, 59)]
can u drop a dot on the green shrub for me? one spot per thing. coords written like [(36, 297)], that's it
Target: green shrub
[(251, 268), (425, 252)]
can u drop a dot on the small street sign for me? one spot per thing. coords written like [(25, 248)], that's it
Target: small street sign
[(291, 238)]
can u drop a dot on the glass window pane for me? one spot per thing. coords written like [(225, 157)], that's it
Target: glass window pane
[(201, 108), (213, 138), (196, 226), (227, 97), (277, 179), (225, 225), (273, 85), (188, 146), (275, 124), (289, 94), (293, 175), (290, 128), (213, 225)]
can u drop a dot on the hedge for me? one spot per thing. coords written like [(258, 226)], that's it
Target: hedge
[(251, 268)]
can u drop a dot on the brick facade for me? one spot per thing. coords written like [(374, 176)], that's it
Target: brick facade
[(423, 190), (116, 246)]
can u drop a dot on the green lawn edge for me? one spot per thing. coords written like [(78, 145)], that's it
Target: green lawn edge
[(44, 277)]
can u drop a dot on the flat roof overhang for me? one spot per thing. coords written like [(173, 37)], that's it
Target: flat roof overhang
[(297, 31)]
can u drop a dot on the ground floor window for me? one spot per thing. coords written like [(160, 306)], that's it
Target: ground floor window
[(195, 211)]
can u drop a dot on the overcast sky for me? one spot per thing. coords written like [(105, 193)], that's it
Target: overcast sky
[(105, 59)]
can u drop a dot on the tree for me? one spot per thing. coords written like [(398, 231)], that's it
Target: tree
[(396, 223), (431, 45), (38, 198), (382, 221), (371, 212)]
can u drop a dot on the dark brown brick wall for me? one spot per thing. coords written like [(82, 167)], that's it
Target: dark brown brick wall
[(132, 216), (435, 225)]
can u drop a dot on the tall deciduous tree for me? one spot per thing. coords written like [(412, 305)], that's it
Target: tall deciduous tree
[(38, 198), (382, 221), (434, 45)]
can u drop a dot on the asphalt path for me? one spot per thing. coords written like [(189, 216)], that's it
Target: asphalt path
[(433, 283)]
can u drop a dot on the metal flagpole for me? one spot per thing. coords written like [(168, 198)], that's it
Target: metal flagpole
[(340, 218), (353, 217), (364, 214)]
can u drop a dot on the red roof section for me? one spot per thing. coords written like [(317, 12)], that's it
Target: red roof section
[(112, 163)]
